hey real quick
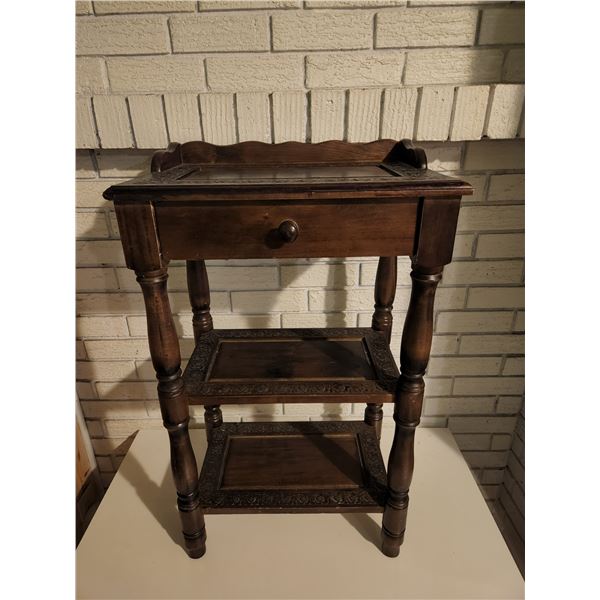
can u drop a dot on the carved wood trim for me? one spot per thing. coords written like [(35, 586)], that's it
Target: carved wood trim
[(371, 497)]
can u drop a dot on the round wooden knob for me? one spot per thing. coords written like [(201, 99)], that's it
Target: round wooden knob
[(288, 230)]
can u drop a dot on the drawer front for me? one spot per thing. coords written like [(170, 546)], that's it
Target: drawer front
[(287, 231)]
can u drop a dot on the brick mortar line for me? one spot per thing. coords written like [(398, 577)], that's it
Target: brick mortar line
[(308, 51)]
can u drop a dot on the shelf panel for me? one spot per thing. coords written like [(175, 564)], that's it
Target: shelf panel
[(234, 366), (331, 466)]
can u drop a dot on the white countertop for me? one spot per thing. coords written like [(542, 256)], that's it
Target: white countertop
[(452, 548)]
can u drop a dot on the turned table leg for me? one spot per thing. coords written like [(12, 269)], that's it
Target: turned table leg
[(385, 291), (199, 293), (414, 356), (164, 349)]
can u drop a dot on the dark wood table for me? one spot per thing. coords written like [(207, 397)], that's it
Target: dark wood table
[(292, 200)]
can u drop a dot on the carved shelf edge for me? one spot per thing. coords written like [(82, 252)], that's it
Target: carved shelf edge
[(381, 389), (370, 497)]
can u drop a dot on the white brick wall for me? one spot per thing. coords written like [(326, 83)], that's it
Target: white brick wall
[(443, 73)]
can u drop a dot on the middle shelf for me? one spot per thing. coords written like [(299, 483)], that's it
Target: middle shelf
[(260, 366)]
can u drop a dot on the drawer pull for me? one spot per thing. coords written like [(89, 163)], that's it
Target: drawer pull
[(288, 230)]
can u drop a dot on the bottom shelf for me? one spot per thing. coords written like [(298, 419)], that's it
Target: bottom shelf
[(333, 466)]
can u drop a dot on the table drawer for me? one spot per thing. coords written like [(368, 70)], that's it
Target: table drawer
[(198, 231)]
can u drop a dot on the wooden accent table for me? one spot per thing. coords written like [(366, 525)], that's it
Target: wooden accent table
[(292, 200)]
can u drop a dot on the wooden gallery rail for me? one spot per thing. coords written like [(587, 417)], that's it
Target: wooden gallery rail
[(292, 200)]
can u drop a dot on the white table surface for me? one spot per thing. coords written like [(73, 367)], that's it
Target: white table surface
[(452, 548)]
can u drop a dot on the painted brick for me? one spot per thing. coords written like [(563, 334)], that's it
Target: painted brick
[(496, 297), (448, 322), (514, 66), (117, 349), (262, 302), (494, 155), (218, 120), (91, 76), (354, 69), (112, 163), (156, 74), (492, 344), (83, 7), (435, 112), (317, 410), (463, 366), (505, 111), (478, 386), (148, 119), (492, 476), (102, 327), (514, 366), (94, 253), (155, 6), (519, 322), (245, 4), (126, 427), (472, 272), (136, 35), (260, 72), (502, 26), (513, 512), (368, 271), (96, 279), (108, 303), (501, 442), (362, 299), (509, 405), (289, 117), (85, 391), (316, 275), (183, 117), (327, 111), (479, 187), (501, 245), (482, 218), (105, 370), (335, 30), (84, 168), (443, 157), (363, 115), (426, 27), (84, 124), (112, 118), (398, 119), (453, 66), (482, 424), (444, 344), (318, 320), (220, 32), (220, 278), (80, 353), (463, 245), (104, 462), (353, 3), (507, 187), (245, 321), (458, 406), (486, 459), (131, 390), (438, 386), (254, 119), (469, 112), (107, 446), (473, 441)]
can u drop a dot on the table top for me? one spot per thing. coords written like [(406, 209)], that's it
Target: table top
[(453, 548), (255, 166)]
